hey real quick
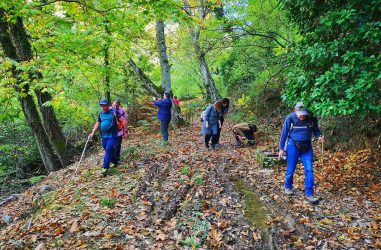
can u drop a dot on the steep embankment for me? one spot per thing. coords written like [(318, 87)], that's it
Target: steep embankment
[(185, 196)]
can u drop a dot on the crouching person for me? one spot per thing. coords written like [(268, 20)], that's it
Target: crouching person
[(244, 133)]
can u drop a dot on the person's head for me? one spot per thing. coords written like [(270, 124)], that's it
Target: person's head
[(301, 111), (218, 106), (167, 95), (298, 106), (116, 103), (225, 102), (252, 127), (104, 105)]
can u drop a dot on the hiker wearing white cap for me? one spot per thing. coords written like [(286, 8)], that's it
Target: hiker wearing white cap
[(297, 131)]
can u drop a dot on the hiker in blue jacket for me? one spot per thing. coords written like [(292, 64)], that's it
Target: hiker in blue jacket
[(298, 129), (164, 114), (211, 124), (107, 120)]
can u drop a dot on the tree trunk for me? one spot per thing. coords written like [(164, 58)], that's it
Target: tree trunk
[(164, 62), (52, 128), (106, 63), (16, 46), (211, 90), (212, 93), (44, 147), (146, 82), (177, 119)]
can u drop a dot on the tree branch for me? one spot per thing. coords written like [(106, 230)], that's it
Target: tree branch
[(80, 3)]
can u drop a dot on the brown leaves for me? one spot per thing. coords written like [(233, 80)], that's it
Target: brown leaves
[(74, 227), (215, 238)]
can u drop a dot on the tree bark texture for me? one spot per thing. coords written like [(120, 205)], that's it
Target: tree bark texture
[(106, 63), (53, 129), (212, 93), (164, 62), (177, 119), (16, 46), (146, 82)]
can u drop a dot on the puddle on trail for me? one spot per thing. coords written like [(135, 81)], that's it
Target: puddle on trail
[(255, 211)]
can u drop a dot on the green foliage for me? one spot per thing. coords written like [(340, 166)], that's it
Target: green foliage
[(197, 178), (185, 170), (105, 202), (36, 179), (337, 62)]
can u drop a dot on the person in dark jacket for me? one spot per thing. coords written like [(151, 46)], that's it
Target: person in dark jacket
[(164, 114), (298, 129), (211, 124)]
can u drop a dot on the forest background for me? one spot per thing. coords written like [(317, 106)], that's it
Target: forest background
[(59, 58)]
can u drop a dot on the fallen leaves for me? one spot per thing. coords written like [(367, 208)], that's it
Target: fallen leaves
[(209, 215)]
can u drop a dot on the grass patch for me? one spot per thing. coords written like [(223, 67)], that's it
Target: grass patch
[(184, 170), (36, 179), (105, 202)]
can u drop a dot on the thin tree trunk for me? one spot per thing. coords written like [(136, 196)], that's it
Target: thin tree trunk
[(16, 46), (164, 62), (146, 82), (211, 90), (106, 63), (177, 119), (212, 93)]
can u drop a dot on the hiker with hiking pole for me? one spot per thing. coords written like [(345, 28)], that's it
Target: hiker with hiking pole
[(297, 131), (108, 120)]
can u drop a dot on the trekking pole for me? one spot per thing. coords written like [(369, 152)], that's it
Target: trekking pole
[(83, 153), (322, 152)]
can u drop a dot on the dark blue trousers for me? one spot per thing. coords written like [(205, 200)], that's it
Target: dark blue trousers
[(164, 129), (293, 156), (109, 146), (118, 146)]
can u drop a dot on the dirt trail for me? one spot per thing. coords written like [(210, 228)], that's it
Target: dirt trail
[(181, 196)]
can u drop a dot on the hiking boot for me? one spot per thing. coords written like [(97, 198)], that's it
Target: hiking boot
[(288, 191), (312, 199), (217, 146), (104, 172), (207, 145), (237, 144)]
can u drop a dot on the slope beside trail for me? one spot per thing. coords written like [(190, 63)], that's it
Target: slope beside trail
[(185, 196)]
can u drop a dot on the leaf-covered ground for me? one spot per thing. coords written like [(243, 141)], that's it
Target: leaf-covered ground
[(184, 196)]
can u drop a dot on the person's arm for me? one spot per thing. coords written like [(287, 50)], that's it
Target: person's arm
[(316, 130), (157, 102), (96, 126), (283, 137), (207, 114)]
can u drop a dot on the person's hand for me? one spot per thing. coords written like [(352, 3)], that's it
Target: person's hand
[(280, 154), (91, 135), (125, 135), (154, 99), (321, 139), (207, 124)]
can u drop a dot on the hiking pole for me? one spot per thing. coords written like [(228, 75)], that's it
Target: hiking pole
[(83, 153), (322, 152)]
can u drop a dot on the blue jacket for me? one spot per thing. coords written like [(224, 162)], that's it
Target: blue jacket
[(109, 127), (301, 130), (165, 105), (211, 116)]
